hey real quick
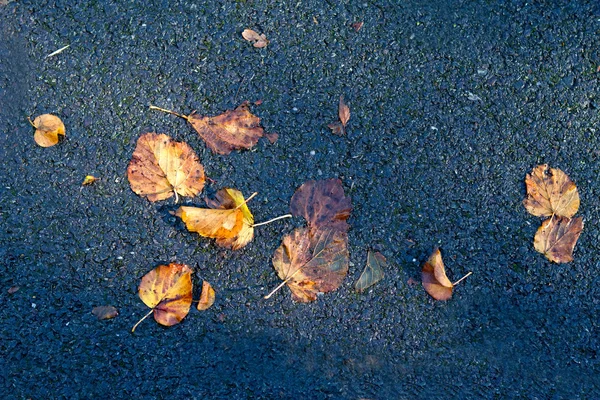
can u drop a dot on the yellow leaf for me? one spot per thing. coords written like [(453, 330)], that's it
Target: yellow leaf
[(207, 298), (48, 128)]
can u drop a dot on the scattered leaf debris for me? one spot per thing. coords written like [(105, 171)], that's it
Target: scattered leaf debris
[(161, 167), (254, 38), (48, 130), (373, 271), (105, 312), (13, 289), (357, 25)]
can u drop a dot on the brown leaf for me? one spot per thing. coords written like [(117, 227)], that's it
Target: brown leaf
[(48, 128), (254, 38), (373, 272), (13, 289), (434, 278), (272, 137), (232, 130), (550, 191), (207, 298), (161, 167), (556, 238), (357, 25), (167, 290), (343, 112), (105, 312), (228, 219), (323, 204), (312, 264), (337, 128)]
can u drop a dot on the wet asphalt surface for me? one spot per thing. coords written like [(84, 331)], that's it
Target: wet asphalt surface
[(452, 103)]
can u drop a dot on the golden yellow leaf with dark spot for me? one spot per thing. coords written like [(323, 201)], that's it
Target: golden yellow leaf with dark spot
[(434, 278), (167, 290), (48, 128), (550, 192), (557, 236), (207, 297), (161, 167)]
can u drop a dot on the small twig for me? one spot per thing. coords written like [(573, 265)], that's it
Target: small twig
[(273, 220), (176, 196), (170, 112), (31, 122), (58, 51), (461, 279), (145, 316)]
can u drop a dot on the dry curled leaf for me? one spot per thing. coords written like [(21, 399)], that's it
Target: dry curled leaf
[(207, 297), (550, 192), (557, 236), (434, 278), (161, 167), (232, 130), (323, 204), (339, 127), (228, 219), (88, 180), (373, 271), (254, 38), (105, 312), (167, 290), (312, 264), (48, 128)]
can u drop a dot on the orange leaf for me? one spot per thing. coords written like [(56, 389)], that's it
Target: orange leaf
[(167, 290), (48, 128), (556, 238), (207, 298), (254, 38), (312, 264), (89, 179), (323, 204), (229, 219), (434, 278), (549, 192), (161, 167)]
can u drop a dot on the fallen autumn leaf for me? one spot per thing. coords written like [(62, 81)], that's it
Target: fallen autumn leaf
[(254, 38), (373, 271), (435, 281), (48, 128), (557, 236), (550, 192), (207, 297)]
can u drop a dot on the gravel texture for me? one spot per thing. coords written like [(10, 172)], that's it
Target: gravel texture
[(452, 103)]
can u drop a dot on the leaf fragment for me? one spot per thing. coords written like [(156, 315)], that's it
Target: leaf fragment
[(105, 312), (48, 128), (433, 276), (550, 192), (312, 264), (339, 127), (167, 290), (373, 271), (88, 180), (254, 38), (228, 219), (323, 204), (161, 167), (557, 236), (207, 297)]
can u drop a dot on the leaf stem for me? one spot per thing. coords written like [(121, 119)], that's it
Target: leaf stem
[(247, 200), (176, 196), (272, 220), (145, 316), (282, 284), (31, 122), (170, 112), (461, 279)]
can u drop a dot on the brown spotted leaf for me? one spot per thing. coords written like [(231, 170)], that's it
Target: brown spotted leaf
[(48, 128), (312, 264), (228, 219), (167, 290), (207, 298), (323, 204), (550, 192), (434, 278), (373, 271), (161, 167), (557, 236)]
